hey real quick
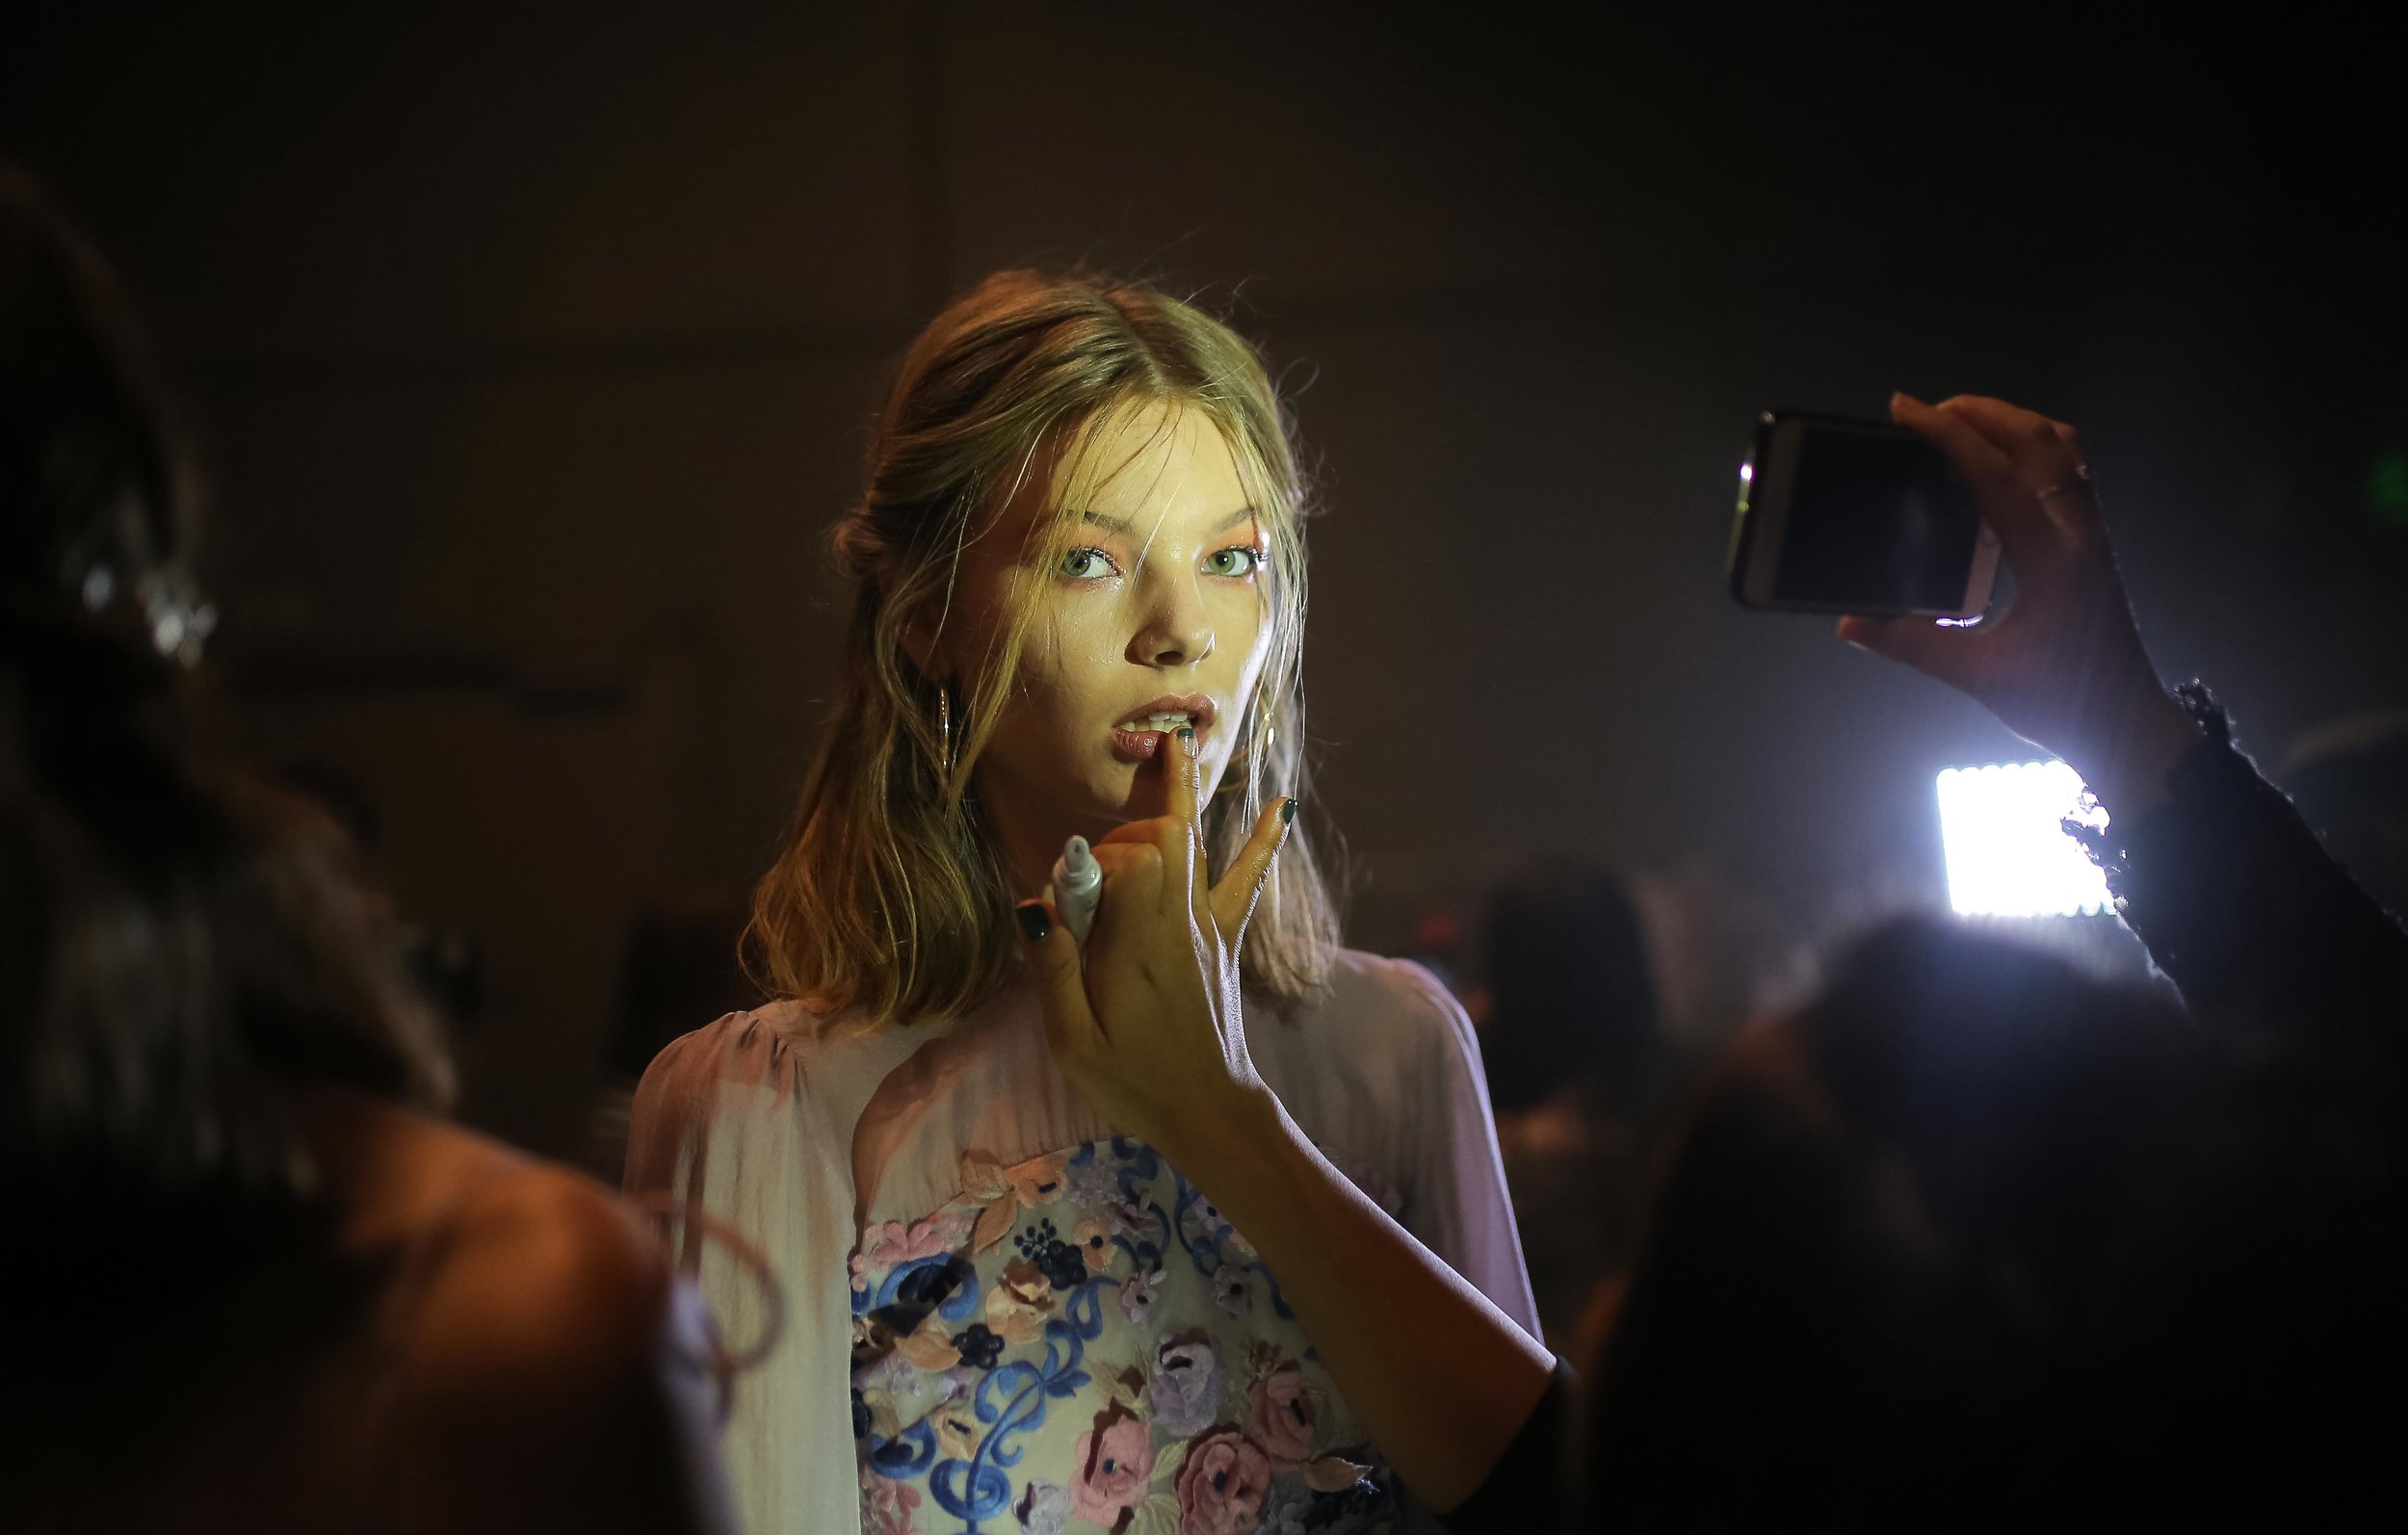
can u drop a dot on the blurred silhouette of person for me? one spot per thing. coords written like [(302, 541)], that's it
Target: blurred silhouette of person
[(255, 1282), (447, 963), (1577, 1073), (1903, 1271)]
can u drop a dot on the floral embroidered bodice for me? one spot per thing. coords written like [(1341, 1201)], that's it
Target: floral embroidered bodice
[(989, 1313), (1082, 1340)]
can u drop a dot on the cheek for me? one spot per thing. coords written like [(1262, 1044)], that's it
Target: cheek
[(1070, 659), (1065, 680), (1244, 631)]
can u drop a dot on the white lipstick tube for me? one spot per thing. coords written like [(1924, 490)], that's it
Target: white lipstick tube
[(1078, 888)]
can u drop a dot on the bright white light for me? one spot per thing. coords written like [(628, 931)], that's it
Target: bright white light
[(1747, 472), (2007, 855)]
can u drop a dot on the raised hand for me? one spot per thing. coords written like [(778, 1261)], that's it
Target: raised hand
[(1151, 1032), (1150, 1028), (2064, 666)]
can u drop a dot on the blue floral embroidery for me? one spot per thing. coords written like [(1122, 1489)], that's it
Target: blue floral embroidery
[(922, 1280), (1012, 1400), (952, 1332)]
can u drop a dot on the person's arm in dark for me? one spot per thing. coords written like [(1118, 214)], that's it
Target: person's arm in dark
[(2248, 914)]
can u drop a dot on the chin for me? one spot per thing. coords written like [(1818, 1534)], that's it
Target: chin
[(1138, 799)]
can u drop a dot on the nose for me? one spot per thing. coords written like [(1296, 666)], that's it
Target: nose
[(1175, 630)]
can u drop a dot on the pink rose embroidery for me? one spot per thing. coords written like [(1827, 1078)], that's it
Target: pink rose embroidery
[(894, 1243), (1221, 1484), (1280, 1418), (887, 1506), (1114, 1462)]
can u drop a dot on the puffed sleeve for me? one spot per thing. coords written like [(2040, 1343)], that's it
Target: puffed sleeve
[(724, 1138), (1453, 1182)]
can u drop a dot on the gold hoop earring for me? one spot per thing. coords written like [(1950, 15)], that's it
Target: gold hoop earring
[(944, 728)]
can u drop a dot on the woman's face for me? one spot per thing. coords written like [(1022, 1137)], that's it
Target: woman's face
[(1157, 616)]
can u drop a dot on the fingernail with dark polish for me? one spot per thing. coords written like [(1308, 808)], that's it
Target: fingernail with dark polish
[(1287, 811), (1034, 925), (1187, 734)]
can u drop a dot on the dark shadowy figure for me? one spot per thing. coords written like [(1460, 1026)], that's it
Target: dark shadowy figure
[(1975, 1240), (1891, 1277), (447, 963), (1578, 1072), (1571, 1000), (253, 1283)]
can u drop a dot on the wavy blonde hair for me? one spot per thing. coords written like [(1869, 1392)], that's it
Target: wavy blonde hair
[(889, 899)]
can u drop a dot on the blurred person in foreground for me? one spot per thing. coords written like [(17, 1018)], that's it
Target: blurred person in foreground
[(255, 1282), (1973, 1239)]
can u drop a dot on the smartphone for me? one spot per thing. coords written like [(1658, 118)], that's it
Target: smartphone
[(1857, 517)]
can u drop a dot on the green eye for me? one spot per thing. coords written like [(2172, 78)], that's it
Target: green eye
[(1088, 564), (1238, 560)]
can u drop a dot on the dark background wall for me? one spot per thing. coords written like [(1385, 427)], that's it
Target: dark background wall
[(531, 347)]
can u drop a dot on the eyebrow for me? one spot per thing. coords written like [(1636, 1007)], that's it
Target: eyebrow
[(1123, 527)]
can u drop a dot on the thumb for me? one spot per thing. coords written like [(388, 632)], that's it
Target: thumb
[(1060, 982), (1945, 654), (1242, 884)]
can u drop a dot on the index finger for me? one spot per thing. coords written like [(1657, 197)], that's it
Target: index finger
[(2047, 456), (2021, 522), (1182, 831)]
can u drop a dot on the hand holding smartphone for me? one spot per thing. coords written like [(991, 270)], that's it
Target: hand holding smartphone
[(2061, 663), (1857, 517)]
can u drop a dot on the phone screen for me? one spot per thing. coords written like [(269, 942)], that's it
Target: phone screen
[(1876, 522)]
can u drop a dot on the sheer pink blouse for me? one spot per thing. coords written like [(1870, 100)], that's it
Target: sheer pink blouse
[(998, 1315)]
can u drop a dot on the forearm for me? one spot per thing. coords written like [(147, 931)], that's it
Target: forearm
[(1439, 1378), (2248, 914)]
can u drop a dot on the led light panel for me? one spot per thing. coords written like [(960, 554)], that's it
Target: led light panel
[(2007, 852)]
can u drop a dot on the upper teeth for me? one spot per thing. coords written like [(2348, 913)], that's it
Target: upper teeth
[(1171, 722)]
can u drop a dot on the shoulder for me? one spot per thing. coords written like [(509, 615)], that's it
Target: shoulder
[(1380, 1035), (1392, 1004), (782, 1083), (550, 1374), (773, 1046), (767, 1030), (548, 1286)]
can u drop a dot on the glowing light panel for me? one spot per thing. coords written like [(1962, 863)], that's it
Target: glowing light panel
[(2008, 856)]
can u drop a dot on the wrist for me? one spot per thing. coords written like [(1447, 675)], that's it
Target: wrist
[(2127, 770)]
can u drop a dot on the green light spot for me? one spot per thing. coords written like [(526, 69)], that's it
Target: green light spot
[(2387, 489)]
